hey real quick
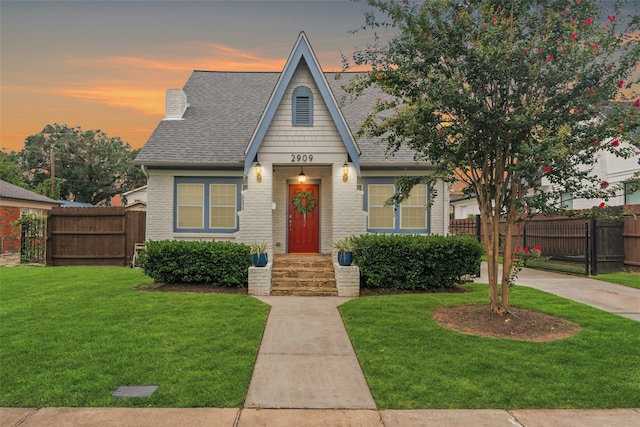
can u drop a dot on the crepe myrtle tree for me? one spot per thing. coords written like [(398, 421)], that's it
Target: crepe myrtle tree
[(500, 95)]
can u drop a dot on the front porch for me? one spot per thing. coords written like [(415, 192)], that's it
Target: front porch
[(304, 275)]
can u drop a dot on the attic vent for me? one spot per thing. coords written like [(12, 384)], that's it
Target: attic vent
[(302, 106)]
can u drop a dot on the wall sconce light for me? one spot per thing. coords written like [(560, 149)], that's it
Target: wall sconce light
[(258, 172), (302, 178), (345, 172)]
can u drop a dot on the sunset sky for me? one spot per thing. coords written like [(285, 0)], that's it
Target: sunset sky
[(107, 64)]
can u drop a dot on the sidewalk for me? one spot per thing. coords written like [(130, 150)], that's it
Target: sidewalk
[(231, 417), (307, 367), (618, 299)]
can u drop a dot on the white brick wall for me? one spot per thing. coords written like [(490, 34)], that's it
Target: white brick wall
[(260, 280), (160, 201), (347, 280), (349, 218), (256, 218), (159, 206)]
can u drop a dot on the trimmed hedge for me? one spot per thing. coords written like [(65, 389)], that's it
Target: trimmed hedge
[(176, 261), (415, 262)]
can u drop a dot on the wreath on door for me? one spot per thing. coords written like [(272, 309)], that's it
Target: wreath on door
[(306, 208)]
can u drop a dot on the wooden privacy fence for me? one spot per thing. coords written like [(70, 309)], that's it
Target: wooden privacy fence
[(631, 238), (598, 245), (93, 236)]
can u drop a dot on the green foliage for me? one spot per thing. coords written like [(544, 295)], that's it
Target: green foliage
[(176, 261), (89, 166), (406, 355), (80, 332), (32, 236), (344, 245), (512, 98), (629, 279), (258, 248), (9, 169), (415, 262)]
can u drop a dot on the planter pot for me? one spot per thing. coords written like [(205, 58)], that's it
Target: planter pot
[(260, 260), (345, 258)]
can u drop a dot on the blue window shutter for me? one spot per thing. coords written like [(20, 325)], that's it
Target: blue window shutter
[(302, 107)]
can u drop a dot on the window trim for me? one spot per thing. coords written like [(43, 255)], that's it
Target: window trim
[(396, 230), (299, 93), (206, 182)]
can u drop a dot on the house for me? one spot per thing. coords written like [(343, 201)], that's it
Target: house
[(273, 156), (609, 168), (14, 202), (136, 199)]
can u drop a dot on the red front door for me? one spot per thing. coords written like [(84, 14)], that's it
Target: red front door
[(304, 230)]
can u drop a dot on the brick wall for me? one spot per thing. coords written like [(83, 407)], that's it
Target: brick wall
[(10, 234)]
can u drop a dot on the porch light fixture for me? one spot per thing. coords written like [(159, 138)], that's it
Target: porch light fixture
[(345, 172), (258, 172), (302, 178)]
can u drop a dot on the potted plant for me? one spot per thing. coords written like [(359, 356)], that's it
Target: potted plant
[(345, 250), (259, 254)]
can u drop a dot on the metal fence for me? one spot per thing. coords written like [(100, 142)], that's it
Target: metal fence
[(32, 239)]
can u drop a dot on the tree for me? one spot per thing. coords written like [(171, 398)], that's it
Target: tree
[(9, 169), (501, 94), (85, 166)]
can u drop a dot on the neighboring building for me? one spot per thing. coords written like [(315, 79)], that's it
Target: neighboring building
[(136, 199), (14, 202), (464, 207), (225, 163), (608, 168), (613, 170)]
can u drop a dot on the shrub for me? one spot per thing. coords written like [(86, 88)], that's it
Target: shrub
[(415, 262), (175, 261)]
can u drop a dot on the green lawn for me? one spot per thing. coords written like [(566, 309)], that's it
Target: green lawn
[(411, 362), (71, 336), (627, 279)]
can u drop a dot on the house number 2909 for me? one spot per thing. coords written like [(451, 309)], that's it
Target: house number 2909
[(301, 158)]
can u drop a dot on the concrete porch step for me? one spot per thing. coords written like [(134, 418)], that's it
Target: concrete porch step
[(305, 292), (303, 275)]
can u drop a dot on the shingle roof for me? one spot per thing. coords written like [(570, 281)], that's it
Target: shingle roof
[(11, 191), (224, 110)]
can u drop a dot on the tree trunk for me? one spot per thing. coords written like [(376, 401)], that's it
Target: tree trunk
[(507, 264), (491, 240)]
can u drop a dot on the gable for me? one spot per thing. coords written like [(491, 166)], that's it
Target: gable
[(302, 53), (286, 135)]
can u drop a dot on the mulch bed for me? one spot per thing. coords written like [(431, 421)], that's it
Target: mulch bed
[(520, 324)]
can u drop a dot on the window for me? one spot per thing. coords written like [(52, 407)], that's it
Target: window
[(190, 206), (223, 206), (302, 106), (631, 193), (381, 216), (413, 210), (410, 217), (218, 195), (566, 201)]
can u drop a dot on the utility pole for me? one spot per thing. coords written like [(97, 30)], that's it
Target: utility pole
[(52, 160)]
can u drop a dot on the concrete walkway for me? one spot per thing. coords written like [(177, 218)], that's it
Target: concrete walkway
[(306, 359), (233, 417), (618, 299)]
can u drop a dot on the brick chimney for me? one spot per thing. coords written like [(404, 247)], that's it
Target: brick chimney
[(176, 104)]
